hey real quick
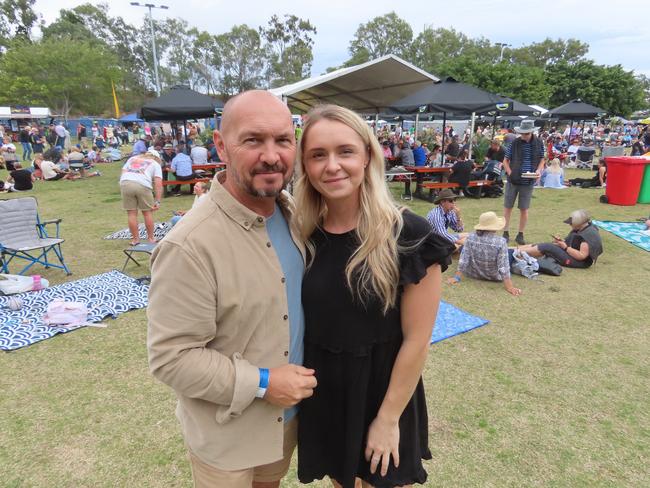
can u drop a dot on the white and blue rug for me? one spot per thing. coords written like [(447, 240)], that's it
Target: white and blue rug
[(452, 321), (106, 295), (632, 232), (160, 230)]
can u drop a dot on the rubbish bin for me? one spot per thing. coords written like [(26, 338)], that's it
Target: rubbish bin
[(624, 175), (644, 191)]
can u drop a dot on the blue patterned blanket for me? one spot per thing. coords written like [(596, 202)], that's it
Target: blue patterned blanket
[(632, 232), (105, 295), (452, 321)]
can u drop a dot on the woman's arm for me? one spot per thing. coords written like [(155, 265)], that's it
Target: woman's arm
[(577, 254), (419, 308)]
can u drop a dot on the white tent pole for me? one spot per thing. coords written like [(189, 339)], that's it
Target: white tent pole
[(471, 135), (376, 122), (417, 119)]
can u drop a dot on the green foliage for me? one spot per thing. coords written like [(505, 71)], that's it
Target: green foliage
[(612, 88), (549, 52), (289, 43), (69, 75), (387, 34), (242, 59), (480, 148), (17, 18)]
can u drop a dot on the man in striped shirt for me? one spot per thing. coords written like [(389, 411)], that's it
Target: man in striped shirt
[(524, 156), (447, 216)]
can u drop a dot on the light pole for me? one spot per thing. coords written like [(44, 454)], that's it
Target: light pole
[(153, 38), (503, 46)]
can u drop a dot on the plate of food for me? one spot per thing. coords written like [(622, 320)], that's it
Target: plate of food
[(529, 175)]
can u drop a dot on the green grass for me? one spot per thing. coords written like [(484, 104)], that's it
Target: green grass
[(553, 392)]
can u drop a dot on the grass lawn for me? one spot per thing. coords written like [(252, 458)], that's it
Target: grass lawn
[(553, 392)]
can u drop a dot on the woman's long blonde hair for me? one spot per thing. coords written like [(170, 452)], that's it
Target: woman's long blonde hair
[(555, 166), (373, 268)]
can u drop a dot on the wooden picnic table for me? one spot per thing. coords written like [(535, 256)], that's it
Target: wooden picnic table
[(406, 175), (426, 172)]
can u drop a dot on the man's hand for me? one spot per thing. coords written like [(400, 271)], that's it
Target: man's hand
[(289, 384)]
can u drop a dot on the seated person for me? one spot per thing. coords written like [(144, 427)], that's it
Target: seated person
[(434, 158), (599, 179), (52, 172), (201, 191), (553, 176), (419, 155), (572, 150), (10, 156), (461, 171), (385, 146), (406, 154), (181, 166), (637, 147), (495, 152), (485, 255), (579, 249), (20, 179), (199, 155), (453, 150), (447, 216)]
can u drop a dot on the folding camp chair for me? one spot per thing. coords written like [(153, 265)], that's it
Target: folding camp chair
[(24, 236), (585, 158), (142, 247)]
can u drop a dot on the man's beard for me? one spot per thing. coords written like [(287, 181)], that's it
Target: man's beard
[(248, 187)]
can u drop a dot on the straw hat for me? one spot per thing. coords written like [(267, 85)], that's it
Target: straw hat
[(490, 221)]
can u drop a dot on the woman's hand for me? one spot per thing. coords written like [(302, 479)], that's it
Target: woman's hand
[(452, 281), (383, 441)]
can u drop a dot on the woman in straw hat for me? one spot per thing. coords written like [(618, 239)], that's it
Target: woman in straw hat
[(485, 255), (370, 297)]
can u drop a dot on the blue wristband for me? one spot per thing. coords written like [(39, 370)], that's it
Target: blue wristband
[(264, 378), (457, 278)]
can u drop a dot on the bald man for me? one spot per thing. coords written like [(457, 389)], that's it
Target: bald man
[(225, 319)]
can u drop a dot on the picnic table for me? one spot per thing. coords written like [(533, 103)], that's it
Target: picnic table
[(426, 172), (212, 166), (404, 176)]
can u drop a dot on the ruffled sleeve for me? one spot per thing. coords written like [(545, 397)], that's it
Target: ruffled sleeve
[(421, 248)]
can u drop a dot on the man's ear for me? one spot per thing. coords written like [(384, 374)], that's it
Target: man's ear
[(217, 137)]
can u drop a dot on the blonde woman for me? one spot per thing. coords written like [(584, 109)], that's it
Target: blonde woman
[(370, 296), (553, 176)]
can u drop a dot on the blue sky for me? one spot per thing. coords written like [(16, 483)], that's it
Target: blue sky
[(607, 26)]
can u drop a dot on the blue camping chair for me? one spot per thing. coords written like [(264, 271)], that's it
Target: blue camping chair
[(24, 236)]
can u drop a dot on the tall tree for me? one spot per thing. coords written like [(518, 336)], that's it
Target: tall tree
[(386, 34), (549, 52), (63, 75), (17, 18), (242, 60), (289, 43), (612, 88)]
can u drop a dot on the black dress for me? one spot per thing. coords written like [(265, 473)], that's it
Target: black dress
[(353, 346)]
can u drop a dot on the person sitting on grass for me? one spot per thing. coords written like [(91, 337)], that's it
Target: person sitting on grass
[(485, 255), (9, 155), (201, 191), (52, 171), (447, 215), (19, 179), (579, 249), (553, 176), (599, 179)]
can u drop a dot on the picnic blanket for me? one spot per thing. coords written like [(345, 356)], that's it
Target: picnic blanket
[(452, 321), (633, 232), (160, 230), (106, 295)]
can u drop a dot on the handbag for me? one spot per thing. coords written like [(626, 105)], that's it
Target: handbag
[(65, 314), (549, 266)]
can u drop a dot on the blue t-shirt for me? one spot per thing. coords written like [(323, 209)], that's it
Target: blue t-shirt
[(293, 268), (182, 165), (419, 156)]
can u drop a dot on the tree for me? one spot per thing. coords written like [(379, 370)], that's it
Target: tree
[(612, 88), (63, 75), (242, 60), (549, 52), (17, 18), (289, 43), (388, 34)]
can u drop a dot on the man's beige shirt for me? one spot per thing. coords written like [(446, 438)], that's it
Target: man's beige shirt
[(217, 312)]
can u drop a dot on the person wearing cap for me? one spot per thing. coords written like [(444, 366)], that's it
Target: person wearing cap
[(579, 249), (182, 168), (524, 155), (140, 146), (447, 216), (167, 156), (485, 255), (140, 175)]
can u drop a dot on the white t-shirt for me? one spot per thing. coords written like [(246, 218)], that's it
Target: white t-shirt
[(199, 155), (142, 170), (60, 131), (47, 167)]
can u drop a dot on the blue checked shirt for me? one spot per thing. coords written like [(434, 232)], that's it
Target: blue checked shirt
[(441, 221)]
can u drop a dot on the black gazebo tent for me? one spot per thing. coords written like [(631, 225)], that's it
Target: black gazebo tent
[(180, 103), (451, 96), (575, 110)]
